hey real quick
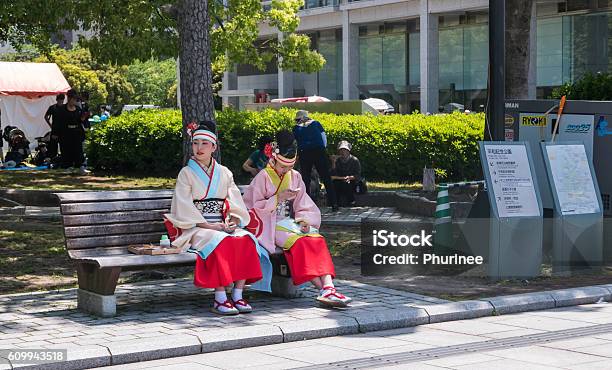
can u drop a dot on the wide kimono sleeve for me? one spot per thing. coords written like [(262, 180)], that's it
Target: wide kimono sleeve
[(183, 213), (304, 207), (255, 195), (236, 204)]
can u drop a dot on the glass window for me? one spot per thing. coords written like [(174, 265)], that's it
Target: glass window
[(549, 63), (383, 55), (571, 45), (463, 53), (330, 77), (414, 59)]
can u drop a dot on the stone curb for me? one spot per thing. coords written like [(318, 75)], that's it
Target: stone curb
[(578, 296), (235, 338), (337, 323), (504, 305), (84, 357), (147, 349), (391, 319), (318, 328), (458, 311)]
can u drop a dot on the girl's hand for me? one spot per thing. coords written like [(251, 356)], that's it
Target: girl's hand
[(231, 225)]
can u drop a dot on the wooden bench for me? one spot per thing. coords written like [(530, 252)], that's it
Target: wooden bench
[(98, 227)]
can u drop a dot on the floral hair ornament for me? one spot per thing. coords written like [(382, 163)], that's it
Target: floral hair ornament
[(191, 127), (271, 149)]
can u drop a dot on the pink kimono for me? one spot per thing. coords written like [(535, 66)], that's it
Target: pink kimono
[(274, 224)]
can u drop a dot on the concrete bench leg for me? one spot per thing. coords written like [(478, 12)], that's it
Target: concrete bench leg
[(96, 294), (283, 287)]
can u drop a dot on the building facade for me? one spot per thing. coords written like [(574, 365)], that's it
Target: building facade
[(424, 54)]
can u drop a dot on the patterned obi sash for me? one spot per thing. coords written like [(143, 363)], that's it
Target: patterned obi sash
[(211, 209)]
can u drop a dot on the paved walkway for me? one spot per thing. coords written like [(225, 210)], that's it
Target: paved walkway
[(170, 307), (577, 337)]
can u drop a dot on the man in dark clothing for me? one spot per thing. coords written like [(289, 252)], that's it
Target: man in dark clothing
[(71, 133), (311, 140), (51, 118), (346, 172)]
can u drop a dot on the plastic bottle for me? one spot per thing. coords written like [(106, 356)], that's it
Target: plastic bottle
[(164, 242)]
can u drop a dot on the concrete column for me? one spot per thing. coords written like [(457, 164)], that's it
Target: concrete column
[(230, 82), (285, 80), (533, 55), (350, 58), (429, 59)]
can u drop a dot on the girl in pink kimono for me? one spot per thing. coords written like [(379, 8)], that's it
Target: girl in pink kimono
[(206, 218), (284, 216)]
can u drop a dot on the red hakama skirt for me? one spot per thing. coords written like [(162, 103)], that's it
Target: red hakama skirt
[(235, 258), (309, 258)]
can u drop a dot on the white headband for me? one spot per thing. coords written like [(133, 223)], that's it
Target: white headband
[(204, 135)]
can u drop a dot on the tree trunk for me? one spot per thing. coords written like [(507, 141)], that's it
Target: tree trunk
[(197, 101), (518, 48)]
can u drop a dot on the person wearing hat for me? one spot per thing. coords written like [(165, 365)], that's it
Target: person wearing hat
[(312, 141), (206, 218), (286, 220), (345, 174)]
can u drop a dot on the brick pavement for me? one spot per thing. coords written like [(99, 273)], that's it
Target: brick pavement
[(160, 308)]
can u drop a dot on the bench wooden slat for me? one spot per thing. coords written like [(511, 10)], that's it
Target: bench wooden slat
[(111, 241), (140, 205), (114, 217), (136, 260), (91, 196), (113, 229), (97, 252)]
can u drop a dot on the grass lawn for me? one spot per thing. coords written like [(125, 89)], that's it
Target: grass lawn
[(33, 258), (60, 180)]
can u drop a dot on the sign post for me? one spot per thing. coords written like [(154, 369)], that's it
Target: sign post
[(577, 205), (515, 238)]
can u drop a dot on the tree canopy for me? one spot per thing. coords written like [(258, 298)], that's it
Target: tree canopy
[(121, 31)]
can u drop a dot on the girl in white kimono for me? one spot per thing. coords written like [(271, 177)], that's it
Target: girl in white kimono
[(284, 216), (206, 218)]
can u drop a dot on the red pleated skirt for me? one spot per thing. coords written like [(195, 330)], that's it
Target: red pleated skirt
[(235, 258), (309, 258)]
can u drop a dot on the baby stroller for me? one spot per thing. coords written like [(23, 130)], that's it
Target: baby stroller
[(45, 153), (19, 146)]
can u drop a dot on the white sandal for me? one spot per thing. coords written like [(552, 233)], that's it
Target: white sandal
[(243, 306), (331, 297), (226, 308)]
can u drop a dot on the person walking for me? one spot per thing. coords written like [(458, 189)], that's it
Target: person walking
[(312, 141)]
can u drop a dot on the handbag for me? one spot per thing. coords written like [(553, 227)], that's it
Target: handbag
[(361, 187)]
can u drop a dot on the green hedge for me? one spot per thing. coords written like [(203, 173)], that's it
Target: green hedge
[(391, 148)]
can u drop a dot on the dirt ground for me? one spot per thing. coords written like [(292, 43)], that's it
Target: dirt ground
[(32, 257)]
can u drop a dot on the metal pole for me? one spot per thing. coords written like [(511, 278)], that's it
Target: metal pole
[(495, 111)]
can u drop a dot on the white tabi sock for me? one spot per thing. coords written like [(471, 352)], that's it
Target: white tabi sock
[(325, 291), (237, 294), (220, 296)]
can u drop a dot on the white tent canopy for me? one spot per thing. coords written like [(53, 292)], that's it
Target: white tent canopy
[(26, 92)]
